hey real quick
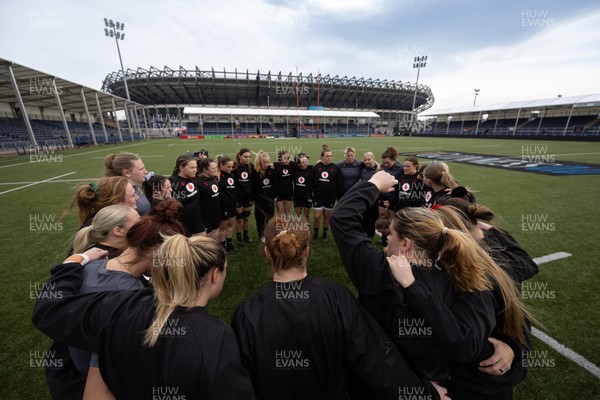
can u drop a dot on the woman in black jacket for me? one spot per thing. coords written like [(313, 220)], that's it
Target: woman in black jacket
[(152, 342), (243, 171), (262, 190), (185, 189), (283, 182), (208, 196), (302, 183), (302, 337), (228, 198)]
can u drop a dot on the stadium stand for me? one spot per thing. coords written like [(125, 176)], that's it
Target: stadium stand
[(187, 103), (574, 117)]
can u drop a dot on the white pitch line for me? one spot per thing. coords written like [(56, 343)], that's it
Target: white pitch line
[(560, 348), (576, 154), (53, 181), (551, 257), (14, 165), (76, 155), (567, 352), (35, 183), (102, 158)]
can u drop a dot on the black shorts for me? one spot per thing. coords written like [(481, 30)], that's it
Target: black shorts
[(284, 197), (303, 203), (245, 203), (227, 213), (323, 204)]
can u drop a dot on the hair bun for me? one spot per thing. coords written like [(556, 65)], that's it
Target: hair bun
[(167, 210), (288, 245)]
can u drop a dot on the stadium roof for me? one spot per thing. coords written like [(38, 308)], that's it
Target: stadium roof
[(247, 89), (37, 89), (274, 113), (591, 100)]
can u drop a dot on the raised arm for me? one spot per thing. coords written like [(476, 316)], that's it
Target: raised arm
[(366, 265)]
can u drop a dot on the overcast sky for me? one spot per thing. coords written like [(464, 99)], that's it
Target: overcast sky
[(510, 50)]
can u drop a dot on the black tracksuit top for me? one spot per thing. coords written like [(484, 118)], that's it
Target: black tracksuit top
[(228, 192), (302, 183), (311, 339), (243, 175), (283, 179), (186, 191), (326, 183), (195, 357), (210, 205)]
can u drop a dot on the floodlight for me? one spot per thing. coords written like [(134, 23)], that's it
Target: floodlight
[(419, 62), (116, 31)]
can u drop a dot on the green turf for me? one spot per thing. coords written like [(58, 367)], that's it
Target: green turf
[(566, 203)]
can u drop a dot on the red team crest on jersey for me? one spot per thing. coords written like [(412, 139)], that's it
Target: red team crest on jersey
[(244, 175), (301, 179), (190, 187), (285, 171), (230, 181), (214, 188), (405, 187), (428, 196), (324, 175), (266, 182)]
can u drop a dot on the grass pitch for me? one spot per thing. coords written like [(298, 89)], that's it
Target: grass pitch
[(563, 295)]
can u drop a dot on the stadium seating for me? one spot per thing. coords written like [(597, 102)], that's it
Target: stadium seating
[(578, 126), (14, 134)]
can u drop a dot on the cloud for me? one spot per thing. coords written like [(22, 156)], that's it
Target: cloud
[(349, 9), (562, 58)]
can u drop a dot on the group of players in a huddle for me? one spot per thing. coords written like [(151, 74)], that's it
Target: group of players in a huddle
[(438, 314), (217, 193)]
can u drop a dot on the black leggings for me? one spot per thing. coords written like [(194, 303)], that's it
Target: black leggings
[(264, 209)]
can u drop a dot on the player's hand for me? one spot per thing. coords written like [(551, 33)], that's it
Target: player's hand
[(384, 181), (500, 362), (442, 391), (96, 254), (401, 269)]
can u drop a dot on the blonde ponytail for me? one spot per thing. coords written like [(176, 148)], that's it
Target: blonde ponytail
[(180, 266)]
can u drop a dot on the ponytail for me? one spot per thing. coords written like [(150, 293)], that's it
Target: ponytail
[(180, 267), (464, 260), (469, 266), (439, 173), (516, 312), (85, 237), (114, 164)]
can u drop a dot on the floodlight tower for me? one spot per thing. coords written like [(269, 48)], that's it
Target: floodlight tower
[(112, 29), (476, 94), (419, 62), (115, 29)]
